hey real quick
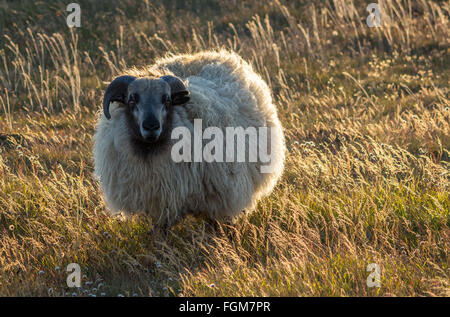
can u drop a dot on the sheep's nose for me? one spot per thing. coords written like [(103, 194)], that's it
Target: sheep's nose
[(150, 125)]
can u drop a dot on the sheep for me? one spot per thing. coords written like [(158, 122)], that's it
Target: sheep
[(135, 134)]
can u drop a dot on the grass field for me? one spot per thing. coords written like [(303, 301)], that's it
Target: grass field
[(366, 118)]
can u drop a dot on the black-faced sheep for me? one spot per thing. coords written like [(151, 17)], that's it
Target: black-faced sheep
[(145, 110)]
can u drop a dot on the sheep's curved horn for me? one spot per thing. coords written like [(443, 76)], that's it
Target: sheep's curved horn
[(179, 92), (116, 91)]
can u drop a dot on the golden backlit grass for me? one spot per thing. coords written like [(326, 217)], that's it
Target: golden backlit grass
[(366, 117)]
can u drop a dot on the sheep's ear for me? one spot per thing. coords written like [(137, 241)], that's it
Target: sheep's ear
[(178, 91), (116, 91), (180, 98)]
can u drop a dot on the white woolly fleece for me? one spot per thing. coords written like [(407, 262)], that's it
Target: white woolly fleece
[(224, 92)]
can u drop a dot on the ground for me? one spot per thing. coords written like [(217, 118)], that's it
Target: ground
[(366, 118)]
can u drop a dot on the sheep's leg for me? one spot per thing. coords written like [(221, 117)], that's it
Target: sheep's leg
[(223, 225)]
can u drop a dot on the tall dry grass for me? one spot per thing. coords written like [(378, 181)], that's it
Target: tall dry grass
[(366, 118)]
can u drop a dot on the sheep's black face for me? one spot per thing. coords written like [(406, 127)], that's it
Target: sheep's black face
[(149, 103), (149, 115)]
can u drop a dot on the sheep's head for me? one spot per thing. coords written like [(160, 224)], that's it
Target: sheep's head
[(149, 102)]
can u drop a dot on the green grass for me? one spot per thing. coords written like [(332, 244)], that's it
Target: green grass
[(366, 119)]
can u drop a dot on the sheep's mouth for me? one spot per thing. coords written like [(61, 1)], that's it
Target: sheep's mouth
[(150, 145), (144, 147), (150, 140), (150, 136)]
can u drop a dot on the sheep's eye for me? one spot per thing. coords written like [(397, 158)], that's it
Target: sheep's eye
[(133, 100), (166, 100)]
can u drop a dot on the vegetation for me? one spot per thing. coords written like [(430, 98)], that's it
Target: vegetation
[(366, 118)]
